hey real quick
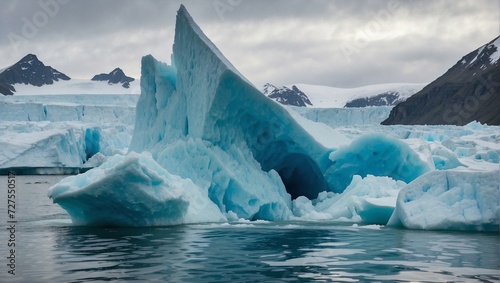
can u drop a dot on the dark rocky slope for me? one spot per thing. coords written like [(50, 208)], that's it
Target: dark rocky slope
[(117, 76), (287, 96), (29, 70), (468, 91)]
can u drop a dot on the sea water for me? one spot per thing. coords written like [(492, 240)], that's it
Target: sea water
[(50, 249)]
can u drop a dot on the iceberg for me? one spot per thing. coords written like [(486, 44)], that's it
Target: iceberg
[(450, 200), (377, 155), (203, 120), (133, 190), (50, 148)]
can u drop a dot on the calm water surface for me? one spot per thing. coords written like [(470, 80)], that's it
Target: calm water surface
[(50, 249)]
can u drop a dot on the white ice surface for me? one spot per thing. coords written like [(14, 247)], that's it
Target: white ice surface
[(450, 200), (335, 117), (332, 97), (77, 86)]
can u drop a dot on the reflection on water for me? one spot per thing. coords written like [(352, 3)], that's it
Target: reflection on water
[(402, 255), (50, 249)]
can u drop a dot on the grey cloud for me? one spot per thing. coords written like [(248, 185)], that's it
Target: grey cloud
[(281, 41)]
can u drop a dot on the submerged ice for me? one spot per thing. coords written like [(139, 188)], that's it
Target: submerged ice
[(208, 146)]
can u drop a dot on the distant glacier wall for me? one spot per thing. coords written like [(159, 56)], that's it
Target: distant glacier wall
[(57, 108), (335, 117), (59, 134)]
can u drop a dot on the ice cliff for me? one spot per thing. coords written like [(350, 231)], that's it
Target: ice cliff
[(49, 134)]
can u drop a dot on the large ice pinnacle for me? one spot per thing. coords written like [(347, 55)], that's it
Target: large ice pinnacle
[(205, 97)]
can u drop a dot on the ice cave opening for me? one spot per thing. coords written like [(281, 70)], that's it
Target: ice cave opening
[(301, 176)]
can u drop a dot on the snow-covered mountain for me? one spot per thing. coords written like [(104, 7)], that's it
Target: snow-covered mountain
[(468, 91), (388, 98), (28, 71), (30, 76), (332, 97), (117, 76), (286, 96)]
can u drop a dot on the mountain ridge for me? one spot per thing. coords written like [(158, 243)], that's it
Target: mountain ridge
[(117, 76), (287, 96), (333, 97), (29, 71), (30, 76), (468, 91)]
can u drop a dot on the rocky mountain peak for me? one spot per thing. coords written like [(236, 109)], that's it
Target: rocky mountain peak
[(29, 70), (117, 76)]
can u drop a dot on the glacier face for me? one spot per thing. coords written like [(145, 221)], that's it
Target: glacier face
[(51, 134), (201, 125), (335, 117), (61, 108), (58, 147)]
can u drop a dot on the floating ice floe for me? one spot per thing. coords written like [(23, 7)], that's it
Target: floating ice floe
[(450, 200), (133, 190)]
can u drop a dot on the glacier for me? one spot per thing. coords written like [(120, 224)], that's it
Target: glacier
[(60, 108), (335, 117), (211, 146), (58, 147), (56, 134)]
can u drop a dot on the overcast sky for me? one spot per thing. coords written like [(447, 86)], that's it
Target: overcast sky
[(325, 42)]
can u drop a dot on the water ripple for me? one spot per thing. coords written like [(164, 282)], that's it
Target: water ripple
[(50, 249)]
